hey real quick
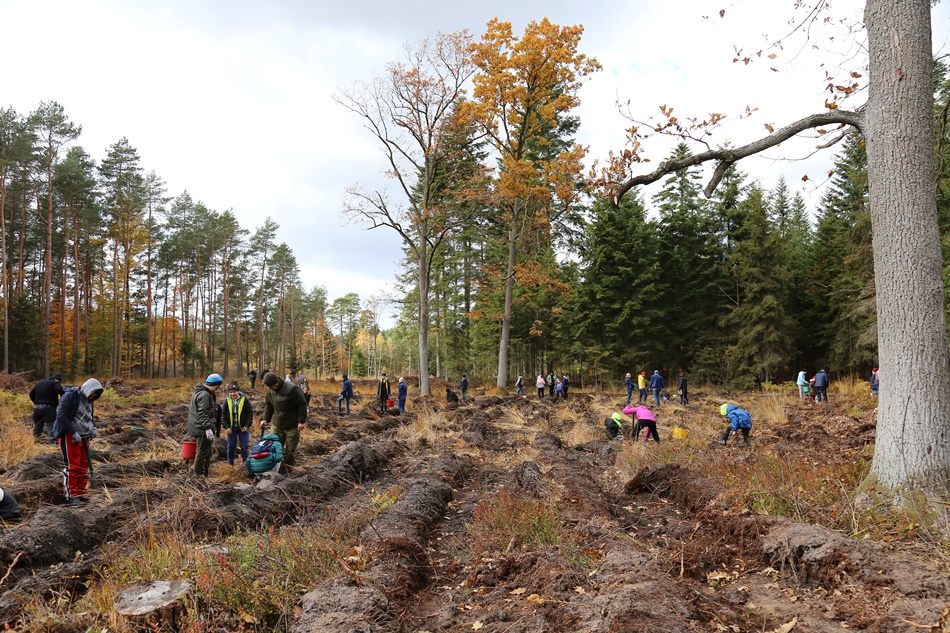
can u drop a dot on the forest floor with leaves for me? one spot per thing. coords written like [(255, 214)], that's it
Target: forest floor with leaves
[(500, 514)]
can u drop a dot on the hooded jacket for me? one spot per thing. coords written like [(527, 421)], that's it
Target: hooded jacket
[(263, 464), (740, 418), (640, 413), (75, 413), (201, 411), (287, 404)]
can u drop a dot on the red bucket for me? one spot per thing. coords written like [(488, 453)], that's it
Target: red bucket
[(390, 403), (188, 449)]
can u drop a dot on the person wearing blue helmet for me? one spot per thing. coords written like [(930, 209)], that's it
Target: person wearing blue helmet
[(201, 421)]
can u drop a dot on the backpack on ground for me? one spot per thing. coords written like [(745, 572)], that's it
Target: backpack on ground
[(261, 449)]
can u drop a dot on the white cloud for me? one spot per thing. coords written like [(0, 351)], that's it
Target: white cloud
[(232, 101)]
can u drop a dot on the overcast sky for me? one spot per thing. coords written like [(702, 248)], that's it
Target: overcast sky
[(231, 99)]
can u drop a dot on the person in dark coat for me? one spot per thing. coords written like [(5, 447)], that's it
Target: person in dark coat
[(202, 421), (565, 383), (252, 376), (628, 382), (74, 427), (45, 396), (345, 395), (463, 386), (236, 418), (403, 392), (614, 427), (450, 395), (821, 386), (383, 390), (681, 388), (656, 385), (551, 382), (285, 405)]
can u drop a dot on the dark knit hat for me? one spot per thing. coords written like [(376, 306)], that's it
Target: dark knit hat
[(271, 379), (233, 386)]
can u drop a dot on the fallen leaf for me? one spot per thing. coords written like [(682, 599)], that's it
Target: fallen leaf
[(788, 626), (580, 590), (477, 625), (536, 598), (518, 591)]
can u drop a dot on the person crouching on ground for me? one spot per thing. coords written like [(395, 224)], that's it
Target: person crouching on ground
[(614, 425), (739, 419), (267, 455), (237, 417), (73, 428), (450, 396), (645, 420), (201, 421)]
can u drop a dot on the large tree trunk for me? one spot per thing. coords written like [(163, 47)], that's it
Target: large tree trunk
[(509, 298), (913, 429), (423, 263)]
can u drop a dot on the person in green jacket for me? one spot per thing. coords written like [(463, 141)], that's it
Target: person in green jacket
[(286, 405), (201, 421)]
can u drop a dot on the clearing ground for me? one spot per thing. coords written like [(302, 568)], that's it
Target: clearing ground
[(501, 514)]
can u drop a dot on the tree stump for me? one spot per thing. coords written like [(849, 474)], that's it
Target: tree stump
[(152, 606)]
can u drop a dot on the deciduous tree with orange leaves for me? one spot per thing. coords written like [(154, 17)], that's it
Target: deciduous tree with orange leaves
[(523, 87)]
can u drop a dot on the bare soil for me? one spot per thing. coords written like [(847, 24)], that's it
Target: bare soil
[(664, 549)]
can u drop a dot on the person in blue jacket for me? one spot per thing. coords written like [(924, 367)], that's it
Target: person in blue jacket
[(821, 386), (345, 395), (739, 419), (628, 380), (402, 390), (656, 385)]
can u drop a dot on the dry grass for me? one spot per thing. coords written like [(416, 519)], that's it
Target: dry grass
[(771, 408), (428, 429), (16, 431)]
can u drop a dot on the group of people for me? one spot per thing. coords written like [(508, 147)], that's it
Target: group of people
[(557, 388), (284, 417), (655, 384), (740, 422), (817, 384)]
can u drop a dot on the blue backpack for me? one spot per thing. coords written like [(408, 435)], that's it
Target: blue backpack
[(261, 448)]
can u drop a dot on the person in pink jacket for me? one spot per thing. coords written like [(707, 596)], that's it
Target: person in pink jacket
[(645, 420)]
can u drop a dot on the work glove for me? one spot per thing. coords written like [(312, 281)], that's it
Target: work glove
[(209, 434), (77, 438)]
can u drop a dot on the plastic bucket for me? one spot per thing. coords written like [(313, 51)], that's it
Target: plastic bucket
[(680, 433), (390, 403), (188, 448)]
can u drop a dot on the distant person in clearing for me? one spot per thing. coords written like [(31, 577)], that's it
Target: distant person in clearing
[(539, 383), (645, 420), (642, 385), (614, 426), (450, 395), (383, 390), (345, 395), (656, 384), (519, 385), (558, 390), (739, 420), (682, 389), (252, 376), (550, 383), (45, 397), (565, 385), (801, 382), (463, 386), (875, 382), (403, 391), (628, 380), (821, 386)]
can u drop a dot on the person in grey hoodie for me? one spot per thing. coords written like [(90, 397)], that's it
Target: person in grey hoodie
[(73, 428)]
